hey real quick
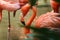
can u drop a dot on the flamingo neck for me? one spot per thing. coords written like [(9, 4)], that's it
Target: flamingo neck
[(28, 23)]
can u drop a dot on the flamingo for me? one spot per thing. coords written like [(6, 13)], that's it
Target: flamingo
[(55, 4), (49, 20), (25, 9), (9, 6)]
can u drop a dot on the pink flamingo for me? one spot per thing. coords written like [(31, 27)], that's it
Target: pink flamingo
[(55, 5), (49, 20), (9, 6), (24, 11)]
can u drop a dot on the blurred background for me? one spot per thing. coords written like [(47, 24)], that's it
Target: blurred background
[(42, 7)]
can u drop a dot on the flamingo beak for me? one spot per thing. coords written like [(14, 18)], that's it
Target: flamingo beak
[(23, 22)]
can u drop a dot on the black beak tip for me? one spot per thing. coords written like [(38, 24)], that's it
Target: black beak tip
[(23, 22)]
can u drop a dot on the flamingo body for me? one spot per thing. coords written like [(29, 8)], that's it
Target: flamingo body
[(9, 6), (49, 20)]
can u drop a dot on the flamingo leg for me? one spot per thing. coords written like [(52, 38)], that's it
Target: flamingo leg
[(22, 19), (9, 26), (0, 15), (14, 13)]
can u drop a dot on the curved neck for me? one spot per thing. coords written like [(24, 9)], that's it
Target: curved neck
[(28, 23)]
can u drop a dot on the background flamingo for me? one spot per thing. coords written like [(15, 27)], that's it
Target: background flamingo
[(48, 20), (9, 6), (12, 5), (25, 10), (55, 4)]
